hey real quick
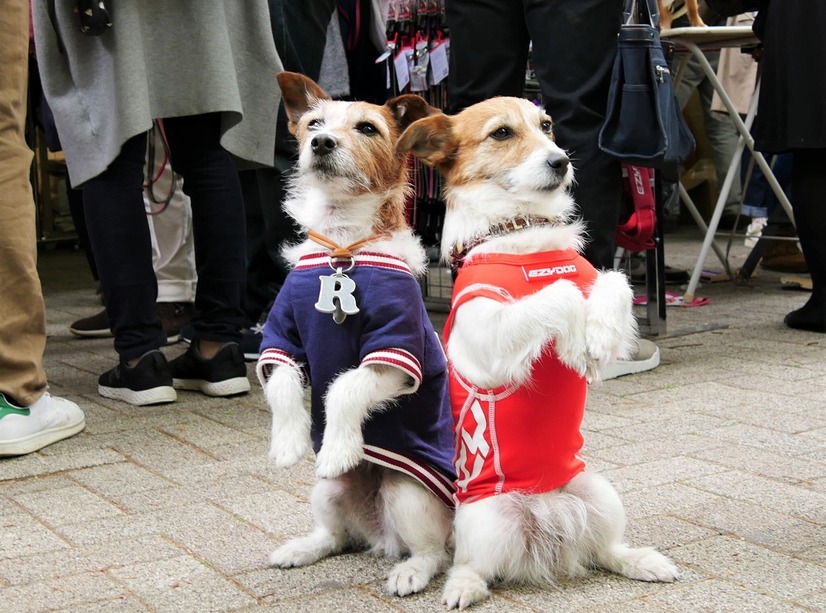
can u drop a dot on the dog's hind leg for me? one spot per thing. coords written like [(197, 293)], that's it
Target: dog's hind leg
[(606, 528), (485, 542), (330, 535), (422, 523)]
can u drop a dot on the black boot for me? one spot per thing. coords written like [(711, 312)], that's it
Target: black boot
[(809, 205)]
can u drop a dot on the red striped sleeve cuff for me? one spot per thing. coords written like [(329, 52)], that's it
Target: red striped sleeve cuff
[(401, 359), (269, 359)]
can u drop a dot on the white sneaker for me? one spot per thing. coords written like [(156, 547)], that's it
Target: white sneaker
[(647, 357), (27, 429)]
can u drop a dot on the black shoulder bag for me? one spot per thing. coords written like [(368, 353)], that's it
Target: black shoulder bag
[(644, 125)]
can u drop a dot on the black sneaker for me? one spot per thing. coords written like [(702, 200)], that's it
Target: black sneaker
[(224, 375), (147, 382), (251, 342)]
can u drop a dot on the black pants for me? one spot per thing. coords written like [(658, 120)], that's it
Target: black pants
[(574, 44), (119, 234), (300, 32)]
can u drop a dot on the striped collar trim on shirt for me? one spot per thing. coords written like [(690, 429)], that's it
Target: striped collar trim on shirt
[(362, 258)]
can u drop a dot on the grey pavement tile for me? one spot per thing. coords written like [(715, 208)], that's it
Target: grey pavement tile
[(666, 499), (22, 535), (598, 591), (790, 418), (70, 594), (346, 571), (72, 561), (771, 464), (759, 569), (673, 421), (181, 584), (653, 450), (39, 464), (119, 479), (765, 438), (38, 484), (67, 505), (223, 540), (778, 531), (164, 521), (276, 512), (795, 500), (718, 596), (664, 532), (347, 599), (666, 470)]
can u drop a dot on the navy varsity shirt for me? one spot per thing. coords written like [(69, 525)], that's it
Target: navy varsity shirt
[(414, 433)]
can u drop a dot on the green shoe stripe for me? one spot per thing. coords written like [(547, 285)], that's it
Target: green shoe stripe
[(7, 408)]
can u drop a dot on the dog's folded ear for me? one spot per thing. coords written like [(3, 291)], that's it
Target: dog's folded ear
[(431, 140), (300, 93), (407, 108)]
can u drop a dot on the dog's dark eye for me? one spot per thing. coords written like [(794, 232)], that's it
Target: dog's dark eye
[(502, 133), (545, 126), (367, 128), (314, 123)]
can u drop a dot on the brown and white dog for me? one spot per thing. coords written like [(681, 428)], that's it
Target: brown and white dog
[(350, 322), (531, 323)]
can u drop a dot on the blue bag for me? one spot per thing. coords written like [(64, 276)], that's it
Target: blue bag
[(644, 125)]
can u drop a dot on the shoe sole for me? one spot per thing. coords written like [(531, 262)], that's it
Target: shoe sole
[(227, 387), (155, 395), (251, 357), (91, 333), (620, 368), (39, 440)]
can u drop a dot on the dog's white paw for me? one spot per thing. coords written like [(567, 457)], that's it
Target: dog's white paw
[(287, 451), (572, 351), (646, 564), (410, 576), (464, 589), (334, 459), (297, 552)]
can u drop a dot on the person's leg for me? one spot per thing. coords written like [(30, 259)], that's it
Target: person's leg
[(574, 72), (30, 417), (22, 310), (299, 31), (488, 50), (211, 182), (808, 197), (214, 363), (122, 247)]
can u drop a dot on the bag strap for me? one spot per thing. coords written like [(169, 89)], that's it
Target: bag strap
[(643, 12), (637, 233)]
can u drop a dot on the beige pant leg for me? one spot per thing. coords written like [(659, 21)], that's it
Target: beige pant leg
[(22, 310)]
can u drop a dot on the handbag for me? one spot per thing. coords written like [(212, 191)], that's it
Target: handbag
[(644, 125)]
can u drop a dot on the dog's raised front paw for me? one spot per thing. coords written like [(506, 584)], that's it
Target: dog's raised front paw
[(286, 453), (463, 589), (333, 460)]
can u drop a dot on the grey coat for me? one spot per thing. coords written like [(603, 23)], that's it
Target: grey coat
[(161, 58)]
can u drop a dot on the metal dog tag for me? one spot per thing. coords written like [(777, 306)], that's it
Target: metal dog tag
[(336, 296)]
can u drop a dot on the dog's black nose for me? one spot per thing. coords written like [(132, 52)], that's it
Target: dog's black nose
[(558, 162), (323, 144)]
